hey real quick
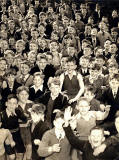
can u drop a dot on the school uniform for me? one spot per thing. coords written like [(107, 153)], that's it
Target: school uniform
[(60, 102), (35, 93), (11, 122), (26, 80), (70, 85), (37, 133), (7, 91)]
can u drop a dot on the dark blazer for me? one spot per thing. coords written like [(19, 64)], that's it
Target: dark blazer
[(97, 43), (7, 91), (110, 153), (35, 95), (60, 103), (37, 133), (109, 99)]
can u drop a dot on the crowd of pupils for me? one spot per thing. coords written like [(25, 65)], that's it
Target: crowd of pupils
[(59, 80)]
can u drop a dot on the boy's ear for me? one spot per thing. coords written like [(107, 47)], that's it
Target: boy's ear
[(6, 103), (75, 66)]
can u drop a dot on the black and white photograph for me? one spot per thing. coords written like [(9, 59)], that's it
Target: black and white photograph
[(59, 79)]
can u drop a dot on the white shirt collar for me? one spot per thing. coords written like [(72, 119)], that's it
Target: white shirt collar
[(39, 88), (73, 73), (60, 135)]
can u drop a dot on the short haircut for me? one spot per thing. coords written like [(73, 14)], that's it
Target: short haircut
[(38, 74), (10, 96), (97, 128), (38, 108), (22, 88), (71, 59), (55, 81), (83, 99), (59, 115)]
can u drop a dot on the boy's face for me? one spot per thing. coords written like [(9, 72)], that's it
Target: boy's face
[(113, 48), (58, 123), (12, 104), (71, 66), (34, 34), (83, 107), (117, 124), (96, 137), (5, 45), (84, 62), (3, 65), (114, 14), (11, 78), (10, 59), (42, 18), (114, 34), (41, 29), (77, 17), (113, 70), (19, 47), (107, 44), (55, 89), (23, 96), (37, 81), (114, 83), (49, 59), (33, 47), (71, 30), (32, 58), (53, 46), (36, 117), (88, 94), (94, 32), (99, 61), (42, 64), (99, 52), (11, 25), (71, 51), (25, 69), (87, 51)]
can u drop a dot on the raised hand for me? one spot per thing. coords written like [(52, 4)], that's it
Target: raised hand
[(67, 114)]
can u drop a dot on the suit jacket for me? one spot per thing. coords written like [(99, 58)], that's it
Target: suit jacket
[(60, 103), (7, 91), (108, 98), (37, 133), (49, 139)]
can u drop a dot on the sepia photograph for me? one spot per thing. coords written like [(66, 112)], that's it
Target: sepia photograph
[(59, 79)]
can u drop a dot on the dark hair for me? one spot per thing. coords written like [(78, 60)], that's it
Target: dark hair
[(10, 96), (38, 108)]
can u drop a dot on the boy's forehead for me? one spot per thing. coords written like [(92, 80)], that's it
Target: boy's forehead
[(95, 132), (12, 100)]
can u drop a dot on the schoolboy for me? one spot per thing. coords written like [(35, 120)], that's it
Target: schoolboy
[(9, 119), (25, 78), (83, 65), (59, 146), (38, 127), (37, 89), (72, 82), (54, 99), (24, 104)]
